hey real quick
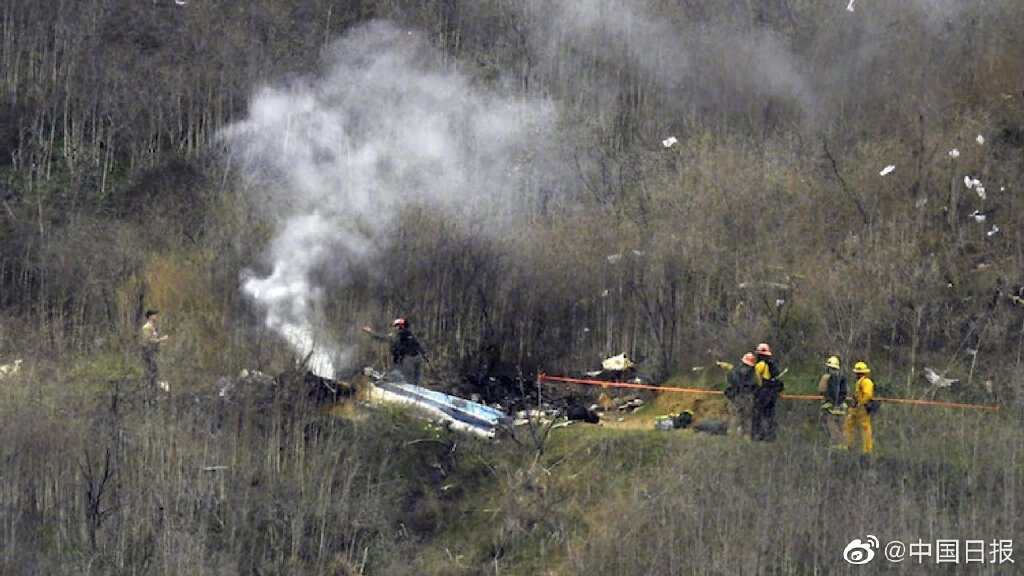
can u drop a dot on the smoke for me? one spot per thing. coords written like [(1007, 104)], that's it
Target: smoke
[(716, 58), (733, 58), (333, 161)]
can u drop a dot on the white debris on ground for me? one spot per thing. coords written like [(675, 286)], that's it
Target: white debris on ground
[(938, 381), (543, 415), (978, 216), (954, 153), (980, 139), (993, 231), (10, 369), (227, 387), (849, 7), (779, 302), (981, 192), (614, 258), (921, 202), (619, 363), (165, 386), (887, 170), (668, 142), (971, 182)]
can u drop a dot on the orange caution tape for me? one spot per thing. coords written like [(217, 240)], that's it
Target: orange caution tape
[(544, 377)]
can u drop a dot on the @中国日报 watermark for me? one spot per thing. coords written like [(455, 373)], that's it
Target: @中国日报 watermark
[(940, 551)]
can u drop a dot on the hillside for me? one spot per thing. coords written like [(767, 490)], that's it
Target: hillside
[(534, 186)]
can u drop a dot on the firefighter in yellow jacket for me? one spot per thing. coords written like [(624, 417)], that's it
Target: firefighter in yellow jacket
[(859, 415)]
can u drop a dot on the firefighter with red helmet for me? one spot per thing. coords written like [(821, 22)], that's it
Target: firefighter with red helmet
[(407, 354)]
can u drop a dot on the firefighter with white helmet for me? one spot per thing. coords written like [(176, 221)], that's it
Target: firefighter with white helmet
[(832, 387), (407, 354)]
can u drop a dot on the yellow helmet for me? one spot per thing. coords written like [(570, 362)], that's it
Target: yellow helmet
[(832, 362), (861, 368)]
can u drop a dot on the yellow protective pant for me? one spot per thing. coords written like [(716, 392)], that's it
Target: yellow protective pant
[(859, 416)]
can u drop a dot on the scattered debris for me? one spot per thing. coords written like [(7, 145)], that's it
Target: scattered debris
[(954, 153), (760, 284), (971, 182), (981, 192), (887, 170), (921, 202), (164, 386), (697, 369), (631, 405), (604, 294), (619, 363), (668, 142), (993, 231), (978, 216), (577, 413), (10, 369), (971, 351), (664, 423), (638, 253), (849, 7), (213, 468), (674, 421), (457, 413), (980, 139), (988, 386), (614, 258), (934, 379), (779, 302)]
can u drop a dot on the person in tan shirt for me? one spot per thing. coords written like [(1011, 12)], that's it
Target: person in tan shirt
[(832, 387), (151, 339)]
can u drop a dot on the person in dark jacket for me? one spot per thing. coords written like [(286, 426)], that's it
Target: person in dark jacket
[(740, 392), (407, 354), (832, 387), (764, 426)]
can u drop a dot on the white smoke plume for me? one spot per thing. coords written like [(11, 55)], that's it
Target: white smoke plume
[(334, 160), (712, 60)]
